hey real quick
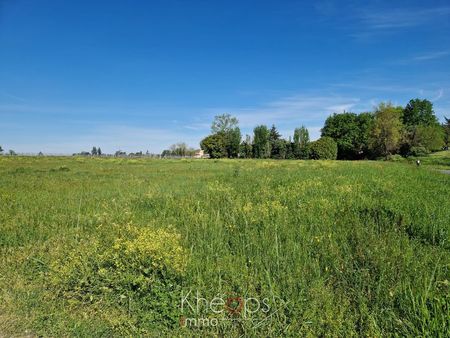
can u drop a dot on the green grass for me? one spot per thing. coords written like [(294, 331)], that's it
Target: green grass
[(440, 159), (107, 247)]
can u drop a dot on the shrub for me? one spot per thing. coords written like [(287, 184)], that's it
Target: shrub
[(143, 264), (418, 151), (395, 158), (324, 148)]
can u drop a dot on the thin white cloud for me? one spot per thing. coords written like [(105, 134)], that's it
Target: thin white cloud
[(431, 56), (439, 95), (110, 138), (11, 96), (394, 18)]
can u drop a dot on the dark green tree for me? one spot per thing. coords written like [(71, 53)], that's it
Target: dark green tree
[(214, 145), (99, 151), (232, 142), (446, 126), (290, 155), (278, 149), (94, 151), (274, 138), (419, 112), (246, 148), (261, 142), (351, 133), (226, 126)]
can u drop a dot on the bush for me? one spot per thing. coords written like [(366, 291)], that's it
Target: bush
[(144, 265), (418, 151), (395, 158), (324, 148)]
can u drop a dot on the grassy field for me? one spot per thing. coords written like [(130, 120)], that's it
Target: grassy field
[(120, 247)]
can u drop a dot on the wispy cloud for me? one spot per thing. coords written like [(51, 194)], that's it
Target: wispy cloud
[(292, 111), (11, 96), (375, 21), (109, 137), (393, 18), (431, 56)]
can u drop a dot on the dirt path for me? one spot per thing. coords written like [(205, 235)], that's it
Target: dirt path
[(445, 172)]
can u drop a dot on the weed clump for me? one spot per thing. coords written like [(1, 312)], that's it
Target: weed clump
[(142, 266)]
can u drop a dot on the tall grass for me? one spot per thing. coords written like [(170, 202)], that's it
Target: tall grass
[(334, 248)]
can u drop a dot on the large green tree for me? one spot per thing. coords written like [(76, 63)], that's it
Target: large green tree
[(430, 137), (422, 129), (227, 127), (386, 132), (261, 142), (419, 112), (446, 127), (277, 145), (214, 145), (350, 131)]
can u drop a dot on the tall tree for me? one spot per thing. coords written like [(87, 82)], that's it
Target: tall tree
[(386, 130), (214, 145), (429, 137), (301, 143), (290, 155), (227, 127), (1, 149), (223, 123), (419, 112), (350, 131), (99, 151), (446, 127), (261, 142), (246, 150), (274, 137), (94, 151)]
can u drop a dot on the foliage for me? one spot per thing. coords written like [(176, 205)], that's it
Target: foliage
[(246, 149), (278, 149), (446, 127), (224, 123), (301, 143), (232, 142), (214, 145), (395, 158), (142, 263), (418, 151), (225, 139), (386, 132), (261, 142), (324, 148), (430, 137), (350, 131), (419, 112)]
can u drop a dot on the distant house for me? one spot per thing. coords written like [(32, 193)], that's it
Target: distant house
[(200, 154)]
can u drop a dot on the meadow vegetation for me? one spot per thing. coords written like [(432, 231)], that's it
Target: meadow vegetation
[(108, 246)]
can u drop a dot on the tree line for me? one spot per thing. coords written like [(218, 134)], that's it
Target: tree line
[(413, 130)]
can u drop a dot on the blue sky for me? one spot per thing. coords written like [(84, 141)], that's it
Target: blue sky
[(141, 75)]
